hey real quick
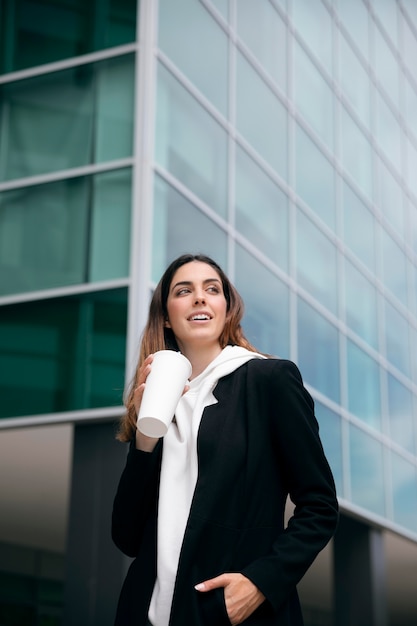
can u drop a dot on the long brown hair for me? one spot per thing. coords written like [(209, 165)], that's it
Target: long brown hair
[(156, 336)]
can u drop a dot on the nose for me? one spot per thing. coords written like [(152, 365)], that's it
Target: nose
[(199, 299)]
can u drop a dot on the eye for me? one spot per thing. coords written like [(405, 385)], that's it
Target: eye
[(213, 289), (183, 291)]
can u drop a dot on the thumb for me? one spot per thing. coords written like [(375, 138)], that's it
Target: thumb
[(213, 583)]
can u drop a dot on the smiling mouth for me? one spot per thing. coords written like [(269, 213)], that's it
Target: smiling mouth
[(199, 318)]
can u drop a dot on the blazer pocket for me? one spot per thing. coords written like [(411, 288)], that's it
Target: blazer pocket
[(213, 607)]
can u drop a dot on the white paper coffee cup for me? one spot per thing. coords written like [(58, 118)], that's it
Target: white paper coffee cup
[(163, 388)]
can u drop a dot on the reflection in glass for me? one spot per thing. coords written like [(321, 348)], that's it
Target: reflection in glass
[(404, 487), (388, 132), (222, 6), (391, 199), (397, 339), (361, 305), (400, 411), (266, 298), (67, 119), (63, 354), (358, 91), (411, 107), (366, 471), (190, 143), (314, 178), (194, 41), (261, 209), (358, 228), (313, 97), (387, 69), (412, 168), (394, 265), (318, 351), (363, 382), (260, 117), (356, 153), (409, 41), (331, 437), (316, 262), (69, 232), (314, 24), (32, 33), (179, 227), (268, 41), (355, 18)]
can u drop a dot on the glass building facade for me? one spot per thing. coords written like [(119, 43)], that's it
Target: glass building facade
[(278, 137)]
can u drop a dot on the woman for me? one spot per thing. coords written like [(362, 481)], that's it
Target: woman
[(202, 510)]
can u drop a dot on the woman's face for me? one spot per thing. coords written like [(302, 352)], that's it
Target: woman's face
[(196, 306)]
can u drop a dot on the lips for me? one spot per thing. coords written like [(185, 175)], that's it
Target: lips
[(199, 317)]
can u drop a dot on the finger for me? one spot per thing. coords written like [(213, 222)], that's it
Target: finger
[(144, 370), (213, 583)]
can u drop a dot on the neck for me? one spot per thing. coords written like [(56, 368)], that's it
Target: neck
[(200, 357)]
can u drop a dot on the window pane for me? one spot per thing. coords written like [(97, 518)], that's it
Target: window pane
[(268, 41), (64, 233), (388, 132), (197, 45), (314, 24), (404, 484), (32, 33), (331, 437), (387, 69), (356, 154), (261, 209), (266, 298), (190, 143), (363, 380), (222, 6), (391, 199), (394, 267), (397, 339), (400, 410), (411, 107), (179, 227), (67, 119), (358, 228), (316, 262), (366, 471), (358, 91), (361, 305), (260, 117), (63, 354), (355, 19), (315, 178), (313, 97), (318, 351)]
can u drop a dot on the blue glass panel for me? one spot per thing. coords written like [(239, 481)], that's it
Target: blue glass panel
[(316, 262), (394, 267), (194, 41), (314, 24), (179, 227), (318, 351), (315, 182), (356, 154), (387, 68), (358, 91), (63, 354), (404, 486), (397, 335), (355, 18), (358, 228), (260, 117), (331, 437), (266, 298), (366, 471), (261, 209), (361, 305), (400, 411), (388, 133), (190, 143), (391, 199), (363, 378)]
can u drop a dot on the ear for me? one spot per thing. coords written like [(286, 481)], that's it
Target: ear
[(167, 324)]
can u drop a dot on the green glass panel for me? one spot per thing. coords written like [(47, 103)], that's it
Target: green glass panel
[(180, 227), (315, 181), (67, 119), (190, 144), (32, 32), (63, 354), (260, 117), (366, 471), (261, 28), (64, 233), (404, 486), (363, 386), (261, 209), (361, 305), (266, 298), (331, 437), (318, 351), (316, 262), (193, 40)]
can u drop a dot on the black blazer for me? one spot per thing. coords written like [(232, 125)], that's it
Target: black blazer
[(257, 445)]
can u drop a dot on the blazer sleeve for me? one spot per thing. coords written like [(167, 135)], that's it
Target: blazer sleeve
[(296, 442), (136, 498)]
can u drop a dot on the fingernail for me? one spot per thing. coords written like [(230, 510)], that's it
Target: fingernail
[(200, 587)]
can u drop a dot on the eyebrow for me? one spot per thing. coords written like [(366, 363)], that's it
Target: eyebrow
[(190, 282)]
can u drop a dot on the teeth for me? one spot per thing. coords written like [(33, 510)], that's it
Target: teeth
[(200, 317)]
